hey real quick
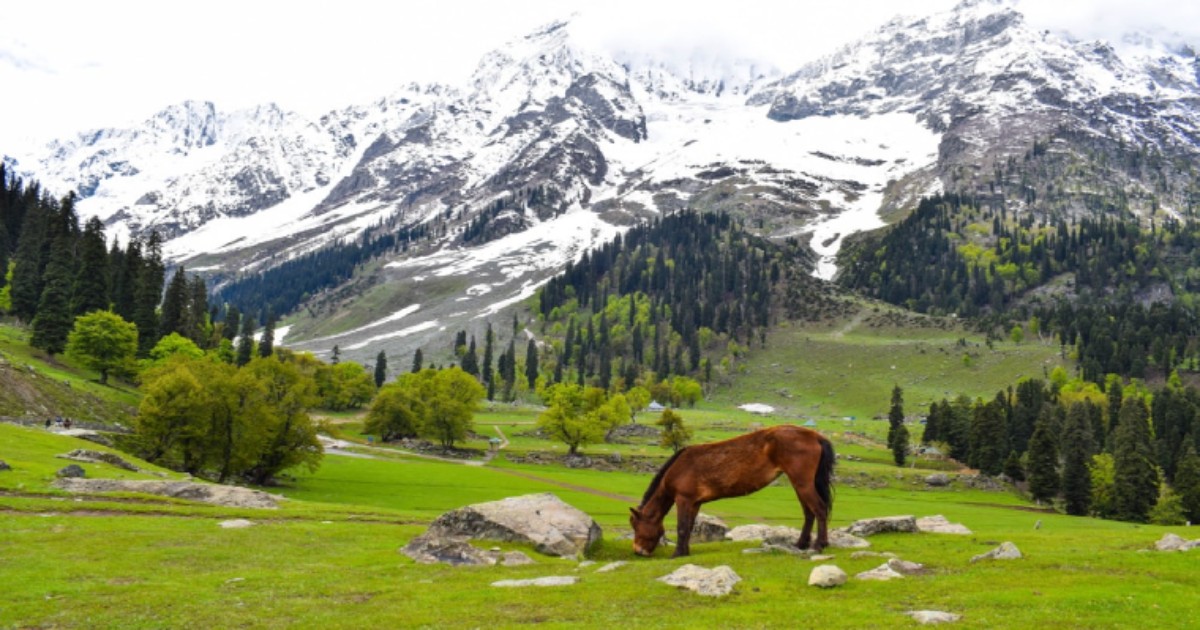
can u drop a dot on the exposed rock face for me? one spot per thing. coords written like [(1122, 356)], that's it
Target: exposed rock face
[(715, 582), (541, 520), (925, 617), (872, 526), (1173, 542), (73, 471), (938, 524), (99, 457), (227, 496), (827, 576), (709, 529), (1006, 551), (553, 580)]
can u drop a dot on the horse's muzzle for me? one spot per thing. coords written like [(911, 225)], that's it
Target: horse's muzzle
[(641, 552)]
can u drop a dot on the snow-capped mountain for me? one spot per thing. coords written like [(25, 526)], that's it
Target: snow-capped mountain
[(553, 147)]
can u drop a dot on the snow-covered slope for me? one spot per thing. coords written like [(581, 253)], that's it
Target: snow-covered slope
[(554, 146)]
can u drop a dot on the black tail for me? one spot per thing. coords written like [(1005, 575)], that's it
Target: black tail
[(824, 479)]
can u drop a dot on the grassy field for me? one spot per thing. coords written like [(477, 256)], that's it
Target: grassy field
[(329, 555)]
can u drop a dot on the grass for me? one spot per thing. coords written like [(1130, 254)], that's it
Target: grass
[(329, 555)]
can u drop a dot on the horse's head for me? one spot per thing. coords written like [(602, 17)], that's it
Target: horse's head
[(646, 532)]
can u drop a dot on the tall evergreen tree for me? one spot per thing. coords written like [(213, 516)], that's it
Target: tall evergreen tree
[(531, 364), (1135, 483), (148, 294), (470, 360), (1187, 481), (381, 368), (53, 321), (897, 433), (1042, 471), (27, 285), (126, 271), (988, 437), (1076, 453), (418, 361), (233, 321), (91, 279), (245, 342), (197, 315), (175, 305), (489, 356), (266, 344)]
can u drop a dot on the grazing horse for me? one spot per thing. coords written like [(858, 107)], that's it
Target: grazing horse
[(733, 468)]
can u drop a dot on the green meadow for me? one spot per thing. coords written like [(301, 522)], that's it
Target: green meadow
[(329, 556)]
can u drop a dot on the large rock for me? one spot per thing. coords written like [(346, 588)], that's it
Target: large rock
[(925, 617), (216, 494), (98, 457), (542, 520), (1173, 542), (938, 524), (73, 471), (937, 480), (883, 525), (708, 529), (765, 533), (715, 582), (1006, 551), (827, 576)]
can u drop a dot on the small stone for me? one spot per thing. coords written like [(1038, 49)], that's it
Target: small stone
[(881, 573), (233, 580), (586, 563), (905, 567), (1006, 551), (237, 523), (611, 566), (858, 555), (938, 524), (515, 559), (882, 525), (554, 580), (73, 471), (827, 576), (822, 557), (4, 465), (933, 616)]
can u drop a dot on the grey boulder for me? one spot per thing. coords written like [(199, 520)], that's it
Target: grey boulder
[(544, 521)]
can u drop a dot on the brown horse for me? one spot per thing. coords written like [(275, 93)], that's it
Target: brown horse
[(733, 468)]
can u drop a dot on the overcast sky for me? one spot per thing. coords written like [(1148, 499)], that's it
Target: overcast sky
[(69, 66)]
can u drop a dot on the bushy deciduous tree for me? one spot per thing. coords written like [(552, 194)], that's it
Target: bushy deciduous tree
[(102, 341), (395, 413), (578, 416), (674, 435)]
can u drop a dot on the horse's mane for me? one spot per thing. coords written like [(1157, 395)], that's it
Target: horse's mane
[(659, 475)]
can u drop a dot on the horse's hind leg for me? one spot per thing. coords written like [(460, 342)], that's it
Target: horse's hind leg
[(685, 515), (814, 507), (806, 533)]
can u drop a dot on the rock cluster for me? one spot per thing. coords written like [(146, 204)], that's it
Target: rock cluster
[(1174, 542), (882, 525), (99, 457), (216, 494), (938, 524)]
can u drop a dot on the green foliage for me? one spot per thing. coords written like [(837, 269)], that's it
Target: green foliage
[(451, 398), (1013, 468), (172, 345), (673, 435), (6, 290), (345, 385), (396, 412), (1076, 450), (1102, 472), (53, 321), (381, 369), (1168, 510), (989, 437), (1135, 481), (897, 438), (578, 416), (90, 292), (637, 397), (1187, 483), (1042, 472), (103, 341)]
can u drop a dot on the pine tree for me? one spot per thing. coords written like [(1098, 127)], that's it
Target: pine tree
[(174, 306), (1135, 484), (233, 321), (1187, 481), (27, 285), (988, 437), (266, 344), (897, 433), (1012, 467), (381, 368), (148, 293), (1043, 460), (531, 363), (1076, 454), (335, 355), (197, 319), (53, 321), (245, 344), (126, 270), (489, 356), (91, 279), (933, 424), (470, 360), (418, 361)]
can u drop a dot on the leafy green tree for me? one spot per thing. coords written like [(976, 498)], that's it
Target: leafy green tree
[(396, 412), (686, 391), (1103, 475), (172, 345), (577, 415), (381, 369), (102, 341), (1168, 510), (1042, 472), (288, 434), (170, 420), (1187, 481), (451, 399), (1135, 487), (53, 321), (637, 397), (345, 385), (1076, 451), (674, 435), (28, 264)]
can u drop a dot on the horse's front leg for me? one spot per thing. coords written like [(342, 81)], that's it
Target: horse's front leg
[(685, 514)]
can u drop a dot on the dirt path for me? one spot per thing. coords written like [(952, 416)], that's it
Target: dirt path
[(568, 486)]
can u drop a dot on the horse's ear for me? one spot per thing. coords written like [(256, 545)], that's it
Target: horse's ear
[(635, 512)]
